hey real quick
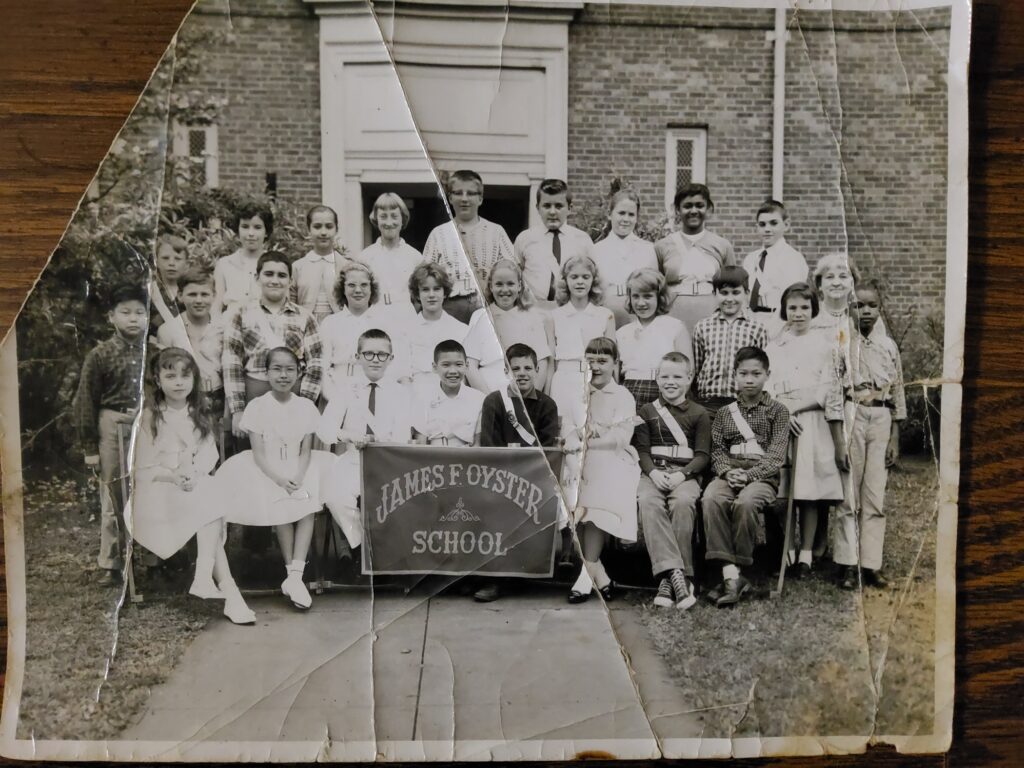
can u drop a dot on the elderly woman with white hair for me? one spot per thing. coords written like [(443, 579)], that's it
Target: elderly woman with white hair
[(390, 257)]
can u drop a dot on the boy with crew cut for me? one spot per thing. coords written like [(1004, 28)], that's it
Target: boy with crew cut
[(373, 408), (879, 405), (542, 249), (774, 266), (109, 393), (673, 441), (467, 236), (518, 415), (749, 440), (448, 412), (718, 337)]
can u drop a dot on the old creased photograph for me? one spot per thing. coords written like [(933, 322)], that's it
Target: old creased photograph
[(514, 380)]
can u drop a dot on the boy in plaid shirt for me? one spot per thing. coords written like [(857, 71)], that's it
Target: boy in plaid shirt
[(717, 338), (749, 439), (109, 393)]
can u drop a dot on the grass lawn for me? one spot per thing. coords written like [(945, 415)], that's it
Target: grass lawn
[(818, 661), (73, 688)]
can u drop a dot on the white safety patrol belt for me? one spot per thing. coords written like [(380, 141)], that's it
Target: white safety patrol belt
[(682, 444), (524, 433), (750, 447)]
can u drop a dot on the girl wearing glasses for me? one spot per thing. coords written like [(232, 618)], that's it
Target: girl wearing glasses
[(357, 293)]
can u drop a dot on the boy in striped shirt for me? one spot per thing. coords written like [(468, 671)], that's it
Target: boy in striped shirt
[(717, 339)]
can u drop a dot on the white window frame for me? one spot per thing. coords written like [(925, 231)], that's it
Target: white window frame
[(698, 137), (211, 157)]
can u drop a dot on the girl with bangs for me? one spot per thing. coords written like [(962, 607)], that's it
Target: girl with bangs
[(173, 496), (653, 334)]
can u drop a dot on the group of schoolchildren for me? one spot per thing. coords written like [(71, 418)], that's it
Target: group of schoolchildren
[(666, 372)]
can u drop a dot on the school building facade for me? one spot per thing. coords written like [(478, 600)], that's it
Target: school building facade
[(844, 113)]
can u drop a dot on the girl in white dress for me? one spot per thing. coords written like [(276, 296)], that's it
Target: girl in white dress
[(653, 334), (805, 377), (278, 482), (390, 257), (515, 320), (621, 253), (357, 292), (234, 276), (173, 496), (611, 470), (690, 256)]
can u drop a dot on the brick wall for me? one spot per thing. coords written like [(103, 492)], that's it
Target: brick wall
[(268, 70), (865, 157)]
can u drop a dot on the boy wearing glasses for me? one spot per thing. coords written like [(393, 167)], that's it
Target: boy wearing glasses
[(372, 409)]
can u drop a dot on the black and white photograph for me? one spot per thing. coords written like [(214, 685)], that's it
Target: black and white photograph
[(512, 380)]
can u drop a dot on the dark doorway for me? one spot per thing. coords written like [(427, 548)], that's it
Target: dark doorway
[(507, 206)]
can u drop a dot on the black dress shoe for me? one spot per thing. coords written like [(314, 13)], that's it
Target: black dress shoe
[(803, 570), (607, 592), (715, 592), (847, 578), (488, 592), (576, 597), (874, 578)]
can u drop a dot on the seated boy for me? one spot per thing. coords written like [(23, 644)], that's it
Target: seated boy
[(372, 409), (749, 439), (448, 413), (199, 333), (717, 338), (519, 415), (673, 441), (108, 395), (879, 405)]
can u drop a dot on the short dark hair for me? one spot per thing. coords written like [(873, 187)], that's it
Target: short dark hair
[(602, 345), (464, 175), (520, 351), (772, 206), (423, 271), (553, 187), (280, 351), (249, 209), (128, 292), (373, 334), (730, 277), (275, 256), (751, 353), (320, 209), (804, 291), (692, 190), (195, 276), (446, 346)]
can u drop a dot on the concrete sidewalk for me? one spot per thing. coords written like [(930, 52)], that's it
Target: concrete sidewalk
[(527, 676)]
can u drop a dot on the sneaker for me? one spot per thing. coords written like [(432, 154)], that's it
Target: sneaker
[(735, 590), (205, 589), (683, 590), (716, 592), (665, 597)]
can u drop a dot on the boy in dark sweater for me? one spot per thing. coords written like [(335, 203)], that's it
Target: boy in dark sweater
[(673, 441), (518, 416)]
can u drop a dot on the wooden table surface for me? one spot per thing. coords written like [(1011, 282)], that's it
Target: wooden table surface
[(70, 73)]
